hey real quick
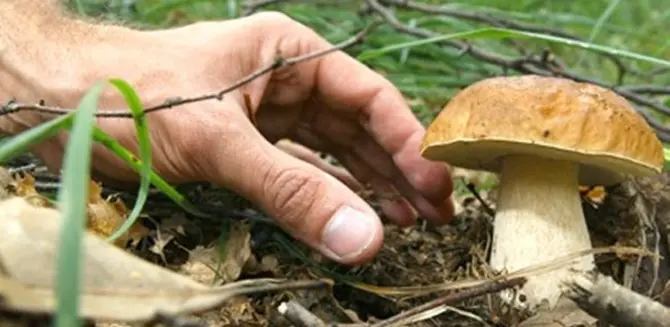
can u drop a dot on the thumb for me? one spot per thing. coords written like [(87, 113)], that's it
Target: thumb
[(307, 202)]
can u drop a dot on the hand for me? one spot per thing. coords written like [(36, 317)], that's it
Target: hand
[(332, 104)]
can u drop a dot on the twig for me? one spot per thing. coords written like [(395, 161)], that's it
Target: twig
[(471, 187), (530, 64), (298, 315), (251, 7), (477, 17), (601, 297), (279, 62), (647, 89), (485, 288), (499, 22)]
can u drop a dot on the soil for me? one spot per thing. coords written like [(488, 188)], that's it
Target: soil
[(631, 214)]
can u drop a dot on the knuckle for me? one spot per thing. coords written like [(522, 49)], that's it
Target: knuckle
[(273, 18), (292, 194)]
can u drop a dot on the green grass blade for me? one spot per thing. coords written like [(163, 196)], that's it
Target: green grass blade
[(666, 155), (494, 33), (135, 105), (599, 24), (124, 154), (21, 143), (72, 200)]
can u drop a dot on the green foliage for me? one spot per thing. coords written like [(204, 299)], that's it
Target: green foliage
[(72, 202), (427, 73)]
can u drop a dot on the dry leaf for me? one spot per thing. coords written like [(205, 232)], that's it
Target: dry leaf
[(201, 264), (207, 264), (116, 286), (5, 181), (176, 223), (238, 250), (595, 194), (106, 217), (25, 187)]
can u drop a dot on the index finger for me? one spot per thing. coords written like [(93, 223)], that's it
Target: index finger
[(346, 84)]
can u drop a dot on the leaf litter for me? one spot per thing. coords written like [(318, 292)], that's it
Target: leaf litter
[(219, 254)]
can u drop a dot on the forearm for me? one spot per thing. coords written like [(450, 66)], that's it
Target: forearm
[(47, 54), (38, 39)]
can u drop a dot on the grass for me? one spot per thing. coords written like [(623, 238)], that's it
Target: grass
[(426, 73)]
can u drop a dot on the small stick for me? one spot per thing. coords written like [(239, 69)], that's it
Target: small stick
[(471, 187), (279, 62), (486, 288), (601, 297), (298, 315)]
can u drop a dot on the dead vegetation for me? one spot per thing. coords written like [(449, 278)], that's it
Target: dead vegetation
[(254, 265), (417, 264)]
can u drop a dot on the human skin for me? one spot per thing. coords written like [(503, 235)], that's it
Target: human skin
[(332, 104)]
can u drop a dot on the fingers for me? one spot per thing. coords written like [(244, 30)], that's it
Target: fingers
[(309, 203), (369, 162), (348, 86), (309, 156), (396, 208), (345, 83)]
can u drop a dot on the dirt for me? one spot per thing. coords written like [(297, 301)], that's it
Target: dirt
[(633, 213)]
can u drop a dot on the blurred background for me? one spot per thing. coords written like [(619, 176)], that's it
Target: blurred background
[(622, 45), (429, 74)]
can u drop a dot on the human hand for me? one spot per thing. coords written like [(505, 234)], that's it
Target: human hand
[(332, 104)]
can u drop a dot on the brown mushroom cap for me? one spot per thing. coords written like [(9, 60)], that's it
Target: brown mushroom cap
[(549, 117)]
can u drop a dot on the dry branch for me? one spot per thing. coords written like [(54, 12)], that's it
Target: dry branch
[(483, 289), (601, 297), (544, 63), (279, 62), (298, 315)]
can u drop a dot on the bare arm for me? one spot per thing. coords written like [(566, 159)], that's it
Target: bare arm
[(45, 54), (332, 100)]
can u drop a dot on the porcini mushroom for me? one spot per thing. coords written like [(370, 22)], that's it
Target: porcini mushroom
[(544, 136)]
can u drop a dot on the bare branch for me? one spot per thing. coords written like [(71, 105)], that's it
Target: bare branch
[(477, 17), (544, 64), (500, 22), (251, 7), (601, 297), (485, 288), (298, 315), (279, 62), (647, 89)]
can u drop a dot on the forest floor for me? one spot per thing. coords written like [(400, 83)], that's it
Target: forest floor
[(416, 262)]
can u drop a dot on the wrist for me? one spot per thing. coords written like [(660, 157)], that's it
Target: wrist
[(59, 69)]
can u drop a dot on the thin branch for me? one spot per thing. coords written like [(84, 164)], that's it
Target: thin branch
[(501, 22), (298, 315), (473, 189), (251, 7), (543, 64), (485, 288), (648, 89), (279, 62), (601, 297)]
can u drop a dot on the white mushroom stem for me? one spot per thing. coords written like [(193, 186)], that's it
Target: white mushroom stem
[(539, 218)]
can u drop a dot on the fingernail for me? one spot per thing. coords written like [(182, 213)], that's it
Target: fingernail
[(349, 232)]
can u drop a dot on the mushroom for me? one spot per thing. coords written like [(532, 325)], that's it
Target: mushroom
[(544, 136)]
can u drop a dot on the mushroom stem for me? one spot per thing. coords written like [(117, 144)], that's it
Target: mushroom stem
[(538, 218)]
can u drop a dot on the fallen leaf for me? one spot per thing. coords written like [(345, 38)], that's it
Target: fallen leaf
[(25, 187), (105, 217), (115, 285), (595, 194), (5, 182), (237, 250), (201, 265)]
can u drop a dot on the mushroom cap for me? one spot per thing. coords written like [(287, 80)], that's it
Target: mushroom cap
[(551, 117)]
